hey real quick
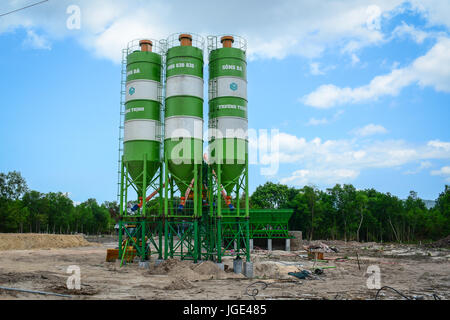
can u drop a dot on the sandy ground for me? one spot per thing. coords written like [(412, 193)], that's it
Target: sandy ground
[(24, 241), (415, 271)]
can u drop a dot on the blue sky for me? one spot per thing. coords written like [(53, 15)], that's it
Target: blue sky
[(359, 91)]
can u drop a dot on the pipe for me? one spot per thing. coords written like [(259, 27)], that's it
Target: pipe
[(138, 206), (185, 39), (146, 45), (37, 292), (225, 197), (186, 195), (227, 41)]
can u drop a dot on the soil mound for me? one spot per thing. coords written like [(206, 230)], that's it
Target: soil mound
[(443, 243), (26, 241), (179, 284), (274, 270), (190, 271)]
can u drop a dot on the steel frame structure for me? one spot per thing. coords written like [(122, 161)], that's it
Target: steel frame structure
[(187, 220), (144, 224), (229, 226)]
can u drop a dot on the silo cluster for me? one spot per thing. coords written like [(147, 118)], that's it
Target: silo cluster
[(163, 146)]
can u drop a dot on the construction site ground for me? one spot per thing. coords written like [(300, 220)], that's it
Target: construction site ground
[(417, 271)]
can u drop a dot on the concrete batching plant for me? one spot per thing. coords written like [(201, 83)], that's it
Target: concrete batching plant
[(189, 204)]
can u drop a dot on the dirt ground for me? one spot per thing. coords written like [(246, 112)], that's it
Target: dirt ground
[(23, 241), (416, 271)]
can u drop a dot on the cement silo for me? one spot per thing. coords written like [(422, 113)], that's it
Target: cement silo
[(142, 115), (183, 140), (141, 165), (228, 110), (228, 141)]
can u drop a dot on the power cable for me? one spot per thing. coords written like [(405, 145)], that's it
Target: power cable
[(26, 7)]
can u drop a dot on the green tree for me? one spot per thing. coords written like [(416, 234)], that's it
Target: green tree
[(12, 185), (272, 196)]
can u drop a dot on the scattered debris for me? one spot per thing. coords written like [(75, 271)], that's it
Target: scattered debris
[(318, 271), (417, 271), (179, 284), (85, 290), (414, 297), (319, 247), (442, 243), (35, 292), (301, 275), (206, 270), (255, 290)]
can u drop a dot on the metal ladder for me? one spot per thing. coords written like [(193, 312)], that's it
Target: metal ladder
[(123, 82)]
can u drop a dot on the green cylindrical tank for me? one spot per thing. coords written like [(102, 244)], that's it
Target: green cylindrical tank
[(142, 113), (183, 139), (228, 125)]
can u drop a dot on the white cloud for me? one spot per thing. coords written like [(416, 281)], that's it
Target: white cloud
[(369, 130), (405, 29), (355, 59), (315, 69), (435, 11), (432, 69), (373, 20), (423, 165), (439, 145), (36, 41), (444, 172), (274, 29), (316, 122), (325, 162), (328, 177)]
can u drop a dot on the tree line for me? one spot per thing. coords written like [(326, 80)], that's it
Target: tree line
[(24, 210), (343, 212)]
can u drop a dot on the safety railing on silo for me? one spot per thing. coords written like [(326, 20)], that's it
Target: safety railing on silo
[(123, 81)]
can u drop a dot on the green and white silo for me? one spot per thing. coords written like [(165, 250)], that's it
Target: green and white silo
[(142, 125), (183, 125), (228, 123), (228, 139), (141, 165), (183, 136)]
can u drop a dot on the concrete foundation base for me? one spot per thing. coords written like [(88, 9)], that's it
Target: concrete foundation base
[(144, 264), (158, 262), (237, 265), (296, 241), (269, 244), (235, 245), (248, 269), (220, 265), (288, 245), (251, 245)]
